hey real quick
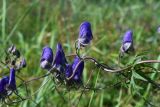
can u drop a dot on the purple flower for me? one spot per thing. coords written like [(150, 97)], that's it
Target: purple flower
[(46, 58), (127, 43), (12, 80), (77, 66), (60, 61), (3, 83), (85, 34)]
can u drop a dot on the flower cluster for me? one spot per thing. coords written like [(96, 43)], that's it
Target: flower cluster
[(72, 73), (69, 73), (14, 62), (58, 64)]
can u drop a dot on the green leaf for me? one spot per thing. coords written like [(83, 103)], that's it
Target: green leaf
[(133, 86), (137, 76)]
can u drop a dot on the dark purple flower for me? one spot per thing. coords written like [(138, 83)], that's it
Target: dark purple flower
[(127, 43), (46, 58), (85, 34), (77, 67), (12, 80), (3, 84), (60, 61)]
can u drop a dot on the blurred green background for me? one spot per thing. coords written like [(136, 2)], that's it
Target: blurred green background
[(32, 24)]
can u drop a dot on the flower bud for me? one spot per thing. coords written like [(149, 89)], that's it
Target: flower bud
[(60, 61), (46, 58), (85, 34), (77, 66), (127, 43), (13, 50)]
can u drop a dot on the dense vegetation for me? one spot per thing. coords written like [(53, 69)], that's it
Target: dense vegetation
[(32, 24)]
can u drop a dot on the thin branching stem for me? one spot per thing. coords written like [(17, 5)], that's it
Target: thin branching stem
[(106, 68), (26, 82)]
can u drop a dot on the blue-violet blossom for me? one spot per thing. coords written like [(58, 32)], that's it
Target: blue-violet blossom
[(3, 84), (77, 66), (60, 61), (127, 43), (46, 58), (12, 80), (85, 34)]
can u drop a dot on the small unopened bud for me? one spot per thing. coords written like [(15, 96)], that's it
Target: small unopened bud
[(13, 50), (85, 34), (127, 43), (46, 58)]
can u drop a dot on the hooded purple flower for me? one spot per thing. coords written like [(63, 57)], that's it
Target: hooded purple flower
[(12, 80), (46, 58), (77, 67), (59, 60), (127, 43), (3, 83), (85, 34)]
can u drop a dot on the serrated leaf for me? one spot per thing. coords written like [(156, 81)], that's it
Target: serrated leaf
[(138, 87), (137, 76), (134, 86)]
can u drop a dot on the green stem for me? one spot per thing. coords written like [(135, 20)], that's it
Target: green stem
[(146, 93)]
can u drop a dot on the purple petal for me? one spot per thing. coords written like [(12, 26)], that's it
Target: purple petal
[(12, 80), (69, 70), (127, 44), (46, 58), (78, 65), (60, 60), (128, 37), (85, 34), (3, 83)]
